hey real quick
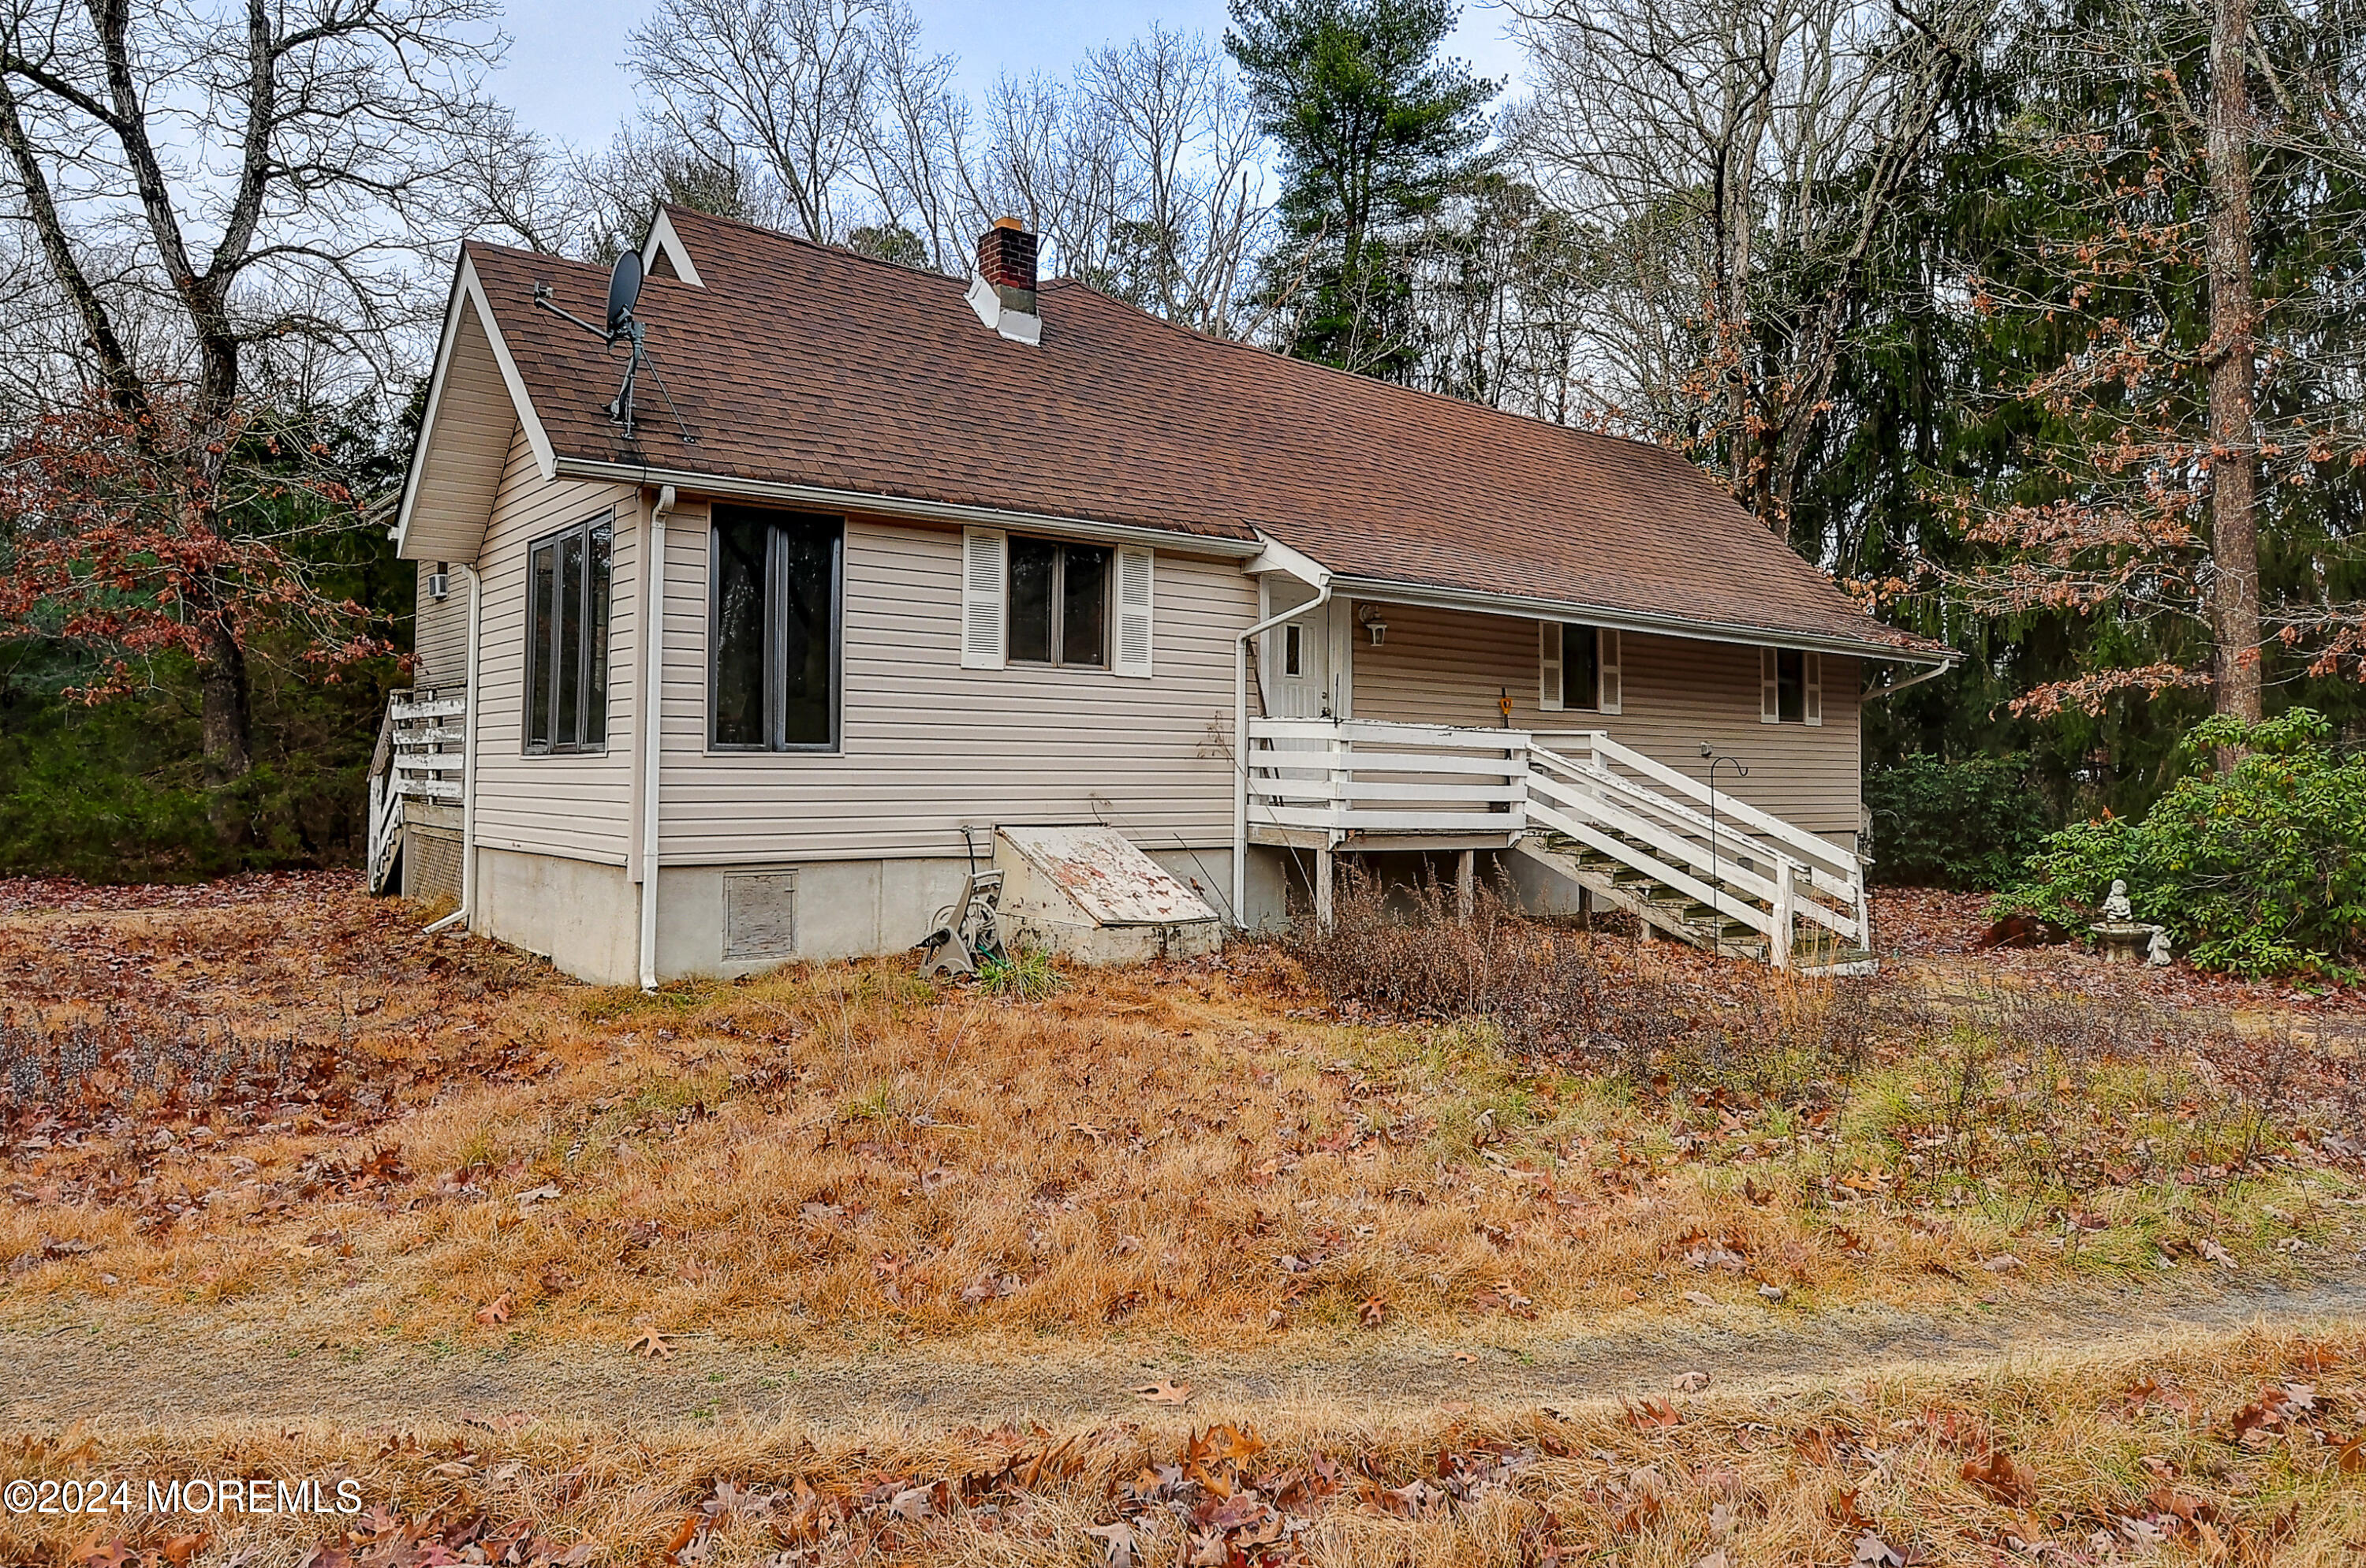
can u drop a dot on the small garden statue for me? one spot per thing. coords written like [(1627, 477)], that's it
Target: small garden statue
[(2122, 939), (2157, 953), (2116, 907)]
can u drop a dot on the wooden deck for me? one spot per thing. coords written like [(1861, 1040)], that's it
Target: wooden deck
[(1634, 832)]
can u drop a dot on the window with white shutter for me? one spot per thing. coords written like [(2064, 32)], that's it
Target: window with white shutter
[(1577, 668), (1133, 612), (983, 596), (1790, 686)]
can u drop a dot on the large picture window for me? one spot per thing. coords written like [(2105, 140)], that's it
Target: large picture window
[(1059, 604), (772, 647), (566, 640)]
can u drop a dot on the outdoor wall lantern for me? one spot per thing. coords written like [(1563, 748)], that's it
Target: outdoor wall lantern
[(1374, 622)]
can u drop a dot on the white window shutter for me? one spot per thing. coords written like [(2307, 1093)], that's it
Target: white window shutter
[(984, 585), (1133, 612), (1548, 666), (1606, 660), (1770, 686), (1812, 681)]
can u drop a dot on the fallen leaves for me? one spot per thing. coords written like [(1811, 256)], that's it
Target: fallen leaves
[(651, 1344), (1162, 1392), (495, 1311), (2002, 1479), (1653, 1416)]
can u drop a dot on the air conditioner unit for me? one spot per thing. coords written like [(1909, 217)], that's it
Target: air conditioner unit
[(439, 584)]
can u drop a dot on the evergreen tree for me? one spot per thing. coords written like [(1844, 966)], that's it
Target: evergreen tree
[(1374, 129)]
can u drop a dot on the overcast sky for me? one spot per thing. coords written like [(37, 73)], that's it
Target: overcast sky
[(563, 78)]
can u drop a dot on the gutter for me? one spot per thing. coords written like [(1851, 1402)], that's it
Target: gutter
[(1322, 583), (1386, 592), (827, 499), (464, 916), (651, 720)]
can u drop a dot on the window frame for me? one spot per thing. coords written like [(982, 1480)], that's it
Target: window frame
[(774, 698), (1808, 686), (1552, 668), (1059, 603), (539, 641)]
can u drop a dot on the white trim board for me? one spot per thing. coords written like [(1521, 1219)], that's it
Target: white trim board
[(468, 294), (1530, 608), (664, 241), (1173, 540)]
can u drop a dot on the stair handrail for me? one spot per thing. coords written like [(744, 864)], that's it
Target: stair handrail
[(1786, 889), (1585, 792), (1841, 863), (1815, 878)]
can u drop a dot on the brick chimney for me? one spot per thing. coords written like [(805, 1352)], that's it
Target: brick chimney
[(1003, 294)]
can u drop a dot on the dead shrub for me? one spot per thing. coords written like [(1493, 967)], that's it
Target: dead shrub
[(1538, 983)]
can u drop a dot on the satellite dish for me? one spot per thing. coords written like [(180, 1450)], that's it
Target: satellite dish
[(623, 289)]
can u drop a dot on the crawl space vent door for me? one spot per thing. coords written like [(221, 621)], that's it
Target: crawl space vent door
[(759, 914)]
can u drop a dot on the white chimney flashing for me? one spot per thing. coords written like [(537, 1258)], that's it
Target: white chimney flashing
[(1019, 326)]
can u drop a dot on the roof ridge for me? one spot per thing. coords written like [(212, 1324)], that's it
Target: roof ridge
[(825, 247)]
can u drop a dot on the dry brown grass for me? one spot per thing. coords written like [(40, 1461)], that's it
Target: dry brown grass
[(2242, 1449), (842, 1156)]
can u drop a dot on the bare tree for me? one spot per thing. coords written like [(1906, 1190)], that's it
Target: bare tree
[(787, 82), (1192, 212), (223, 196), (2234, 366), (1743, 159)]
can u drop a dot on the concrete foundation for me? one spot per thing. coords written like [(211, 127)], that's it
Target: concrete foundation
[(583, 917), (730, 920)]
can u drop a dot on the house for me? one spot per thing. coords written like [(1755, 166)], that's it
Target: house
[(886, 562)]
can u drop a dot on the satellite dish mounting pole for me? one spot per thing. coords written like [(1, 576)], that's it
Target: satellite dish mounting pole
[(623, 293)]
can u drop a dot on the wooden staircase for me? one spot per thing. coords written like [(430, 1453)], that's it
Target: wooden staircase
[(421, 755), (1690, 862), (1693, 864)]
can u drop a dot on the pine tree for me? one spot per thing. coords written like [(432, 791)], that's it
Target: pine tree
[(1374, 129)]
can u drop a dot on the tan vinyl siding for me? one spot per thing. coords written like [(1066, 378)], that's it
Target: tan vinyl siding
[(462, 466), (578, 806), (440, 635), (928, 746), (1452, 667)]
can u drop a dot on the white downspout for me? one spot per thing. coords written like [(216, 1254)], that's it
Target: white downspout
[(1241, 742), (651, 721), (466, 914)]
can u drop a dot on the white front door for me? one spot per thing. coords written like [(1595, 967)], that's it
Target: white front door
[(1300, 670)]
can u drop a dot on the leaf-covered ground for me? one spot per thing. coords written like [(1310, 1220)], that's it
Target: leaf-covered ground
[(285, 1113)]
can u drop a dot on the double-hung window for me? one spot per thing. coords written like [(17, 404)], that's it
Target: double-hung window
[(773, 623), (1578, 668), (566, 640)]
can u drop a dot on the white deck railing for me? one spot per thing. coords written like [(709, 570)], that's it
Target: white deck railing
[(421, 755), (1366, 777)]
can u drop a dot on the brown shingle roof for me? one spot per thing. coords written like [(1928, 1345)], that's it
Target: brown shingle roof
[(801, 364)]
